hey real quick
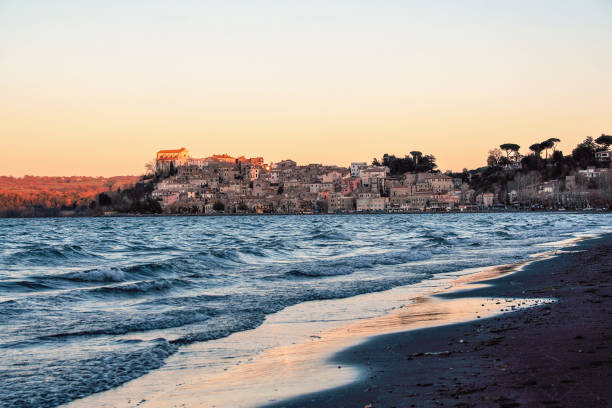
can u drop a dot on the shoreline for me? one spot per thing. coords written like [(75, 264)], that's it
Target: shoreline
[(553, 355), (484, 211), (425, 310)]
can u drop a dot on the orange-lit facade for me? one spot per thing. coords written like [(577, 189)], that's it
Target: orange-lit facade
[(222, 158), (166, 158), (181, 157), (181, 154), (253, 161)]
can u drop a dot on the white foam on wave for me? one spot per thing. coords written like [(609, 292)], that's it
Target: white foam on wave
[(97, 275)]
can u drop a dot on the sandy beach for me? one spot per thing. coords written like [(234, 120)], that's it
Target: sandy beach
[(555, 355)]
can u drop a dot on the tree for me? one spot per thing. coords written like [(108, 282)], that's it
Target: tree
[(426, 163), (504, 161), (554, 142), (494, 157), (416, 155), (557, 156), (104, 199), (150, 166), (604, 140), (547, 144), (218, 206), (584, 153), (536, 148), (398, 165), (509, 147)]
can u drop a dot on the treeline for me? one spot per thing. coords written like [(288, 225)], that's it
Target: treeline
[(415, 162), (50, 196), (80, 196), (507, 169), (133, 200)]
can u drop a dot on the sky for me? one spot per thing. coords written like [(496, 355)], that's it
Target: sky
[(95, 88)]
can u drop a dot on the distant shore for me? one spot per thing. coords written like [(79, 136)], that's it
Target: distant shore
[(491, 211), (553, 355)]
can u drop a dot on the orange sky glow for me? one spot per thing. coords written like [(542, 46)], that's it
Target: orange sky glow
[(96, 88)]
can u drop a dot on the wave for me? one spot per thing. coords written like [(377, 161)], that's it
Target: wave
[(141, 287), (253, 251), (35, 254), (69, 379), (437, 239), (176, 266), (186, 300), (95, 275), (23, 285), (220, 329), (228, 254), (504, 234), (318, 273), (349, 265), (146, 322), (331, 236)]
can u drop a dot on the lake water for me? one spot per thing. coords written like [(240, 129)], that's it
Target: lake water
[(89, 304)]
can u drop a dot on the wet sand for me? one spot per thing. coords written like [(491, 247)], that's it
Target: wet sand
[(553, 355)]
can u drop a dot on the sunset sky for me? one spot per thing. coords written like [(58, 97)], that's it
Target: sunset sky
[(97, 87)]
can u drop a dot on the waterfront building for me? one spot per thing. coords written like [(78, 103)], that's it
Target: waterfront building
[(368, 203), (340, 203)]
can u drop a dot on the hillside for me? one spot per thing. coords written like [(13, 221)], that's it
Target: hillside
[(56, 192)]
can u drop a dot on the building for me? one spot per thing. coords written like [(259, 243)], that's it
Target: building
[(254, 173), (402, 191), (285, 164), (548, 187), (365, 203), (603, 156), (167, 158), (169, 199), (318, 187), (340, 203), (373, 177), (592, 172), (197, 162), (349, 184), (570, 182), (356, 167), (440, 183), (486, 199), (226, 158), (253, 161), (332, 176), (417, 201)]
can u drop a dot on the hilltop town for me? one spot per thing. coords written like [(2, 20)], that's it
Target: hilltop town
[(178, 183), (226, 184)]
